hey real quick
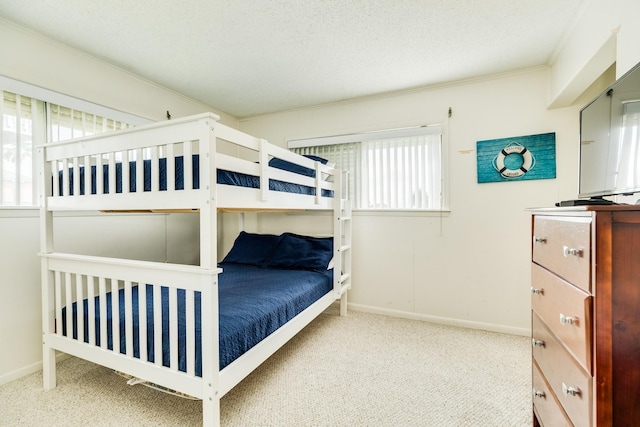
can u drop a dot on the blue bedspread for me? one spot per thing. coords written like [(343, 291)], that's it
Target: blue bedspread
[(253, 303), (223, 177)]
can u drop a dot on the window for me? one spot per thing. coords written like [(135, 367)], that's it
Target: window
[(18, 117), (27, 122), (389, 170)]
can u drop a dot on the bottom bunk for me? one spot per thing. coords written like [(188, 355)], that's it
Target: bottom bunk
[(209, 327), (253, 303)]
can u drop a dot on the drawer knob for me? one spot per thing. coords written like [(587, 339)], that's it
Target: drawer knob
[(536, 291), (568, 320), (539, 239), (567, 251), (537, 343), (539, 393), (570, 391)]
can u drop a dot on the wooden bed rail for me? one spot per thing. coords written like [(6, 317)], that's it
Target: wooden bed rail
[(79, 288), (125, 166)]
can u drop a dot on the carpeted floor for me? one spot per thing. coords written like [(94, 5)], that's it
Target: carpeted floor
[(360, 370)]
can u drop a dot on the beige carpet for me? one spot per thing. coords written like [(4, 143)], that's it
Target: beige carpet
[(362, 370)]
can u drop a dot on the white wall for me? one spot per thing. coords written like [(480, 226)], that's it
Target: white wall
[(163, 237), (31, 58), (606, 32), (471, 266)]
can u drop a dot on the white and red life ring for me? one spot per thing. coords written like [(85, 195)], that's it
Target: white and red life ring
[(513, 148)]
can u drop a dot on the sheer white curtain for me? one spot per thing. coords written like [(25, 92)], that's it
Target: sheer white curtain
[(629, 146)]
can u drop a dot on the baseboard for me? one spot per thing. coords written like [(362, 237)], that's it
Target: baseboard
[(491, 327), (27, 370)]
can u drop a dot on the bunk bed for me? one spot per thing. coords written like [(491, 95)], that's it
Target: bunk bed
[(96, 308)]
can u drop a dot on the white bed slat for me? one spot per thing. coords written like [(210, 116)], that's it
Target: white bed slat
[(58, 301), (187, 160), (264, 171), (157, 325), (102, 289), (87, 175), (190, 332), (99, 175), (155, 170), (64, 191), (68, 304), (91, 294), (79, 307), (142, 321), (128, 318), (115, 315), (173, 329), (112, 173), (139, 171), (126, 183), (171, 168), (54, 177), (76, 176)]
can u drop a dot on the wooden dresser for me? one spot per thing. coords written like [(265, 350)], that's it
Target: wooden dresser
[(585, 301)]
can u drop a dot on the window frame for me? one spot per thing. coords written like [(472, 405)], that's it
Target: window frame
[(41, 133), (440, 128)]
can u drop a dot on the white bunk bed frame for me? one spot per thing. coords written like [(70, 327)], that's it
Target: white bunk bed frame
[(67, 278)]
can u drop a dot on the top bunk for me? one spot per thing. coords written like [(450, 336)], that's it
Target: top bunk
[(102, 172)]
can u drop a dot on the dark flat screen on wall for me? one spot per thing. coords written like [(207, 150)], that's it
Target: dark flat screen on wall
[(610, 140)]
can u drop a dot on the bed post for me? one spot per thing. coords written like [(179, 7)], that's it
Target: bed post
[(45, 187), (208, 260)]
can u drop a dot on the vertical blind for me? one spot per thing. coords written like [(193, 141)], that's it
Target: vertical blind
[(389, 173), (67, 123), (629, 146), (27, 122), (17, 163)]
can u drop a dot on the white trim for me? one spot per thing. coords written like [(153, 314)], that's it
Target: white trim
[(365, 136), (28, 370), (57, 98), (491, 327)]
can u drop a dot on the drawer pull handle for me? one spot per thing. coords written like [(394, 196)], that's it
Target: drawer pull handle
[(568, 320), (537, 343), (566, 250), (537, 291), (570, 391), (539, 239), (538, 393)]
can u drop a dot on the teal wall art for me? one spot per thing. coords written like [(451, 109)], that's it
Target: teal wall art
[(517, 159)]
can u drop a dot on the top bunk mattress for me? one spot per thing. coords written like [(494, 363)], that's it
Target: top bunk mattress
[(223, 177)]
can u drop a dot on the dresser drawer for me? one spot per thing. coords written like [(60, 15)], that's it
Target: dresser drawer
[(570, 383), (566, 310), (545, 404), (562, 245)]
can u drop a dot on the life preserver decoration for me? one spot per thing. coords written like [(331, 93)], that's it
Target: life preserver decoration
[(528, 161)]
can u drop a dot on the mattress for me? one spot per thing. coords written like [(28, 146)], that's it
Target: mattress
[(253, 303), (224, 177)]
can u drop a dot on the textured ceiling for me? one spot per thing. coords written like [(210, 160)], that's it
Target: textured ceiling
[(248, 57)]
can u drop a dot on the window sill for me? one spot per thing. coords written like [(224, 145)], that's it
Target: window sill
[(19, 211), (402, 212)]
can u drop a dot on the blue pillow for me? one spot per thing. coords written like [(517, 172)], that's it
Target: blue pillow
[(301, 252), (292, 167), (251, 249)]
